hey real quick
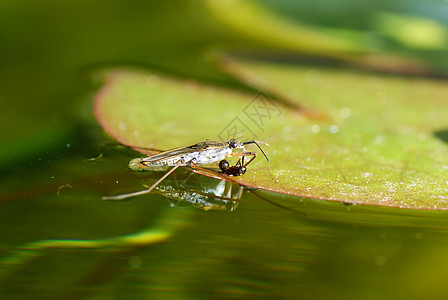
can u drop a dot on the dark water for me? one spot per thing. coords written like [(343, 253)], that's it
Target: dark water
[(60, 240)]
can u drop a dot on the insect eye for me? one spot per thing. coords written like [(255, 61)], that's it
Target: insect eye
[(233, 144)]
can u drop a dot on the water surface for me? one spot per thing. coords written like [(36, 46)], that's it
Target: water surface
[(59, 239)]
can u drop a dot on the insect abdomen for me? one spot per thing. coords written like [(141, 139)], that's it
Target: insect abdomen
[(141, 164)]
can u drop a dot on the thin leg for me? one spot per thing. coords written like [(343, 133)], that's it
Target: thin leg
[(242, 155), (240, 162), (194, 166), (218, 175), (250, 160), (125, 196)]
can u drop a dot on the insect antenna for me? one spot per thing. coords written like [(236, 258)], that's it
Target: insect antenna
[(256, 143)]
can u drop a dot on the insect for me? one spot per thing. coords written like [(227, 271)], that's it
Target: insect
[(237, 170), (198, 154)]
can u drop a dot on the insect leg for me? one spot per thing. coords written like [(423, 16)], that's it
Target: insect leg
[(125, 196), (195, 166), (253, 154), (244, 154)]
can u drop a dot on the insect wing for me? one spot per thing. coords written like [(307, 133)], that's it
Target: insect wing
[(169, 154), (182, 151)]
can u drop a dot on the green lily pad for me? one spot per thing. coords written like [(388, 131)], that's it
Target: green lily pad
[(377, 140)]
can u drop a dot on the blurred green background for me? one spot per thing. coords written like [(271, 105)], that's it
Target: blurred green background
[(58, 239), (48, 48)]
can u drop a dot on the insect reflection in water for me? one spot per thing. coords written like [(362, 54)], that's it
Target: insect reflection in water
[(206, 193)]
